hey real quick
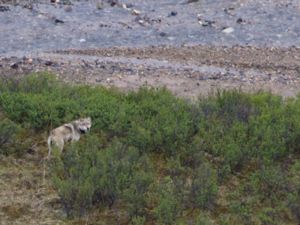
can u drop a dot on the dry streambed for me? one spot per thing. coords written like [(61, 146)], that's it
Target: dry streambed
[(187, 71)]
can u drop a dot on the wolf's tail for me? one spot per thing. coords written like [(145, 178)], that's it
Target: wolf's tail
[(49, 146)]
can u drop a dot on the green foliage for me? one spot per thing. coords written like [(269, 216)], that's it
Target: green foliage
[(138, 220), (238, 127), (168, 205), (213, 141), (203, 219), (160, 122), (8, 132), (204, 187), (269, 182), (268, 216), (88, 176)]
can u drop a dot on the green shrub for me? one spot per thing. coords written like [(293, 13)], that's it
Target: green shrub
[(138, 220), (135, 195), (203, 219), (160, 122), (269, 182), (168, 205), (87, 176), (268, 216), (228, 130), (8, 132), (35, 83), (204, 187)]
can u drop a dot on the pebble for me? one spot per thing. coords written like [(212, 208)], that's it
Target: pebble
[(162, 34), (4, 8), (228, 30), (82, 40), (14, 65), (135, 12), (173, 13), (68, 8), (56, 21)]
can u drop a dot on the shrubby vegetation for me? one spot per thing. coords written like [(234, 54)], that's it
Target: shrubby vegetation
[(160, 157)]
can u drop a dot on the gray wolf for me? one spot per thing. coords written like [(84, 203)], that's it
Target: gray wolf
[(69, 132)]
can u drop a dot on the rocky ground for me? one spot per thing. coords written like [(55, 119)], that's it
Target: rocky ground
[(186, 71), (191, 48)]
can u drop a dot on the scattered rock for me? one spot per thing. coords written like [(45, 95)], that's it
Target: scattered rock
[(14, 65), (129, 5), (228, 30), (113, 3), (56, 21), (4, 8), (240, 21), (48, 63), (135, 12), (204, 22), (162, 34), (99, 5), (68, 8), (189, 1), (230, 11), (30, 61), (173, 13), (171, 38)]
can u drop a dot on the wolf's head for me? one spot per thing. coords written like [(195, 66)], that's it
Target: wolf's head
[(83, 124)]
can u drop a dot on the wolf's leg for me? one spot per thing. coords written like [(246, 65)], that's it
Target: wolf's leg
[(60, 145), (49, 146)]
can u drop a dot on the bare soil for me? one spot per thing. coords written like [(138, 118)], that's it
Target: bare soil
[(188, 71)]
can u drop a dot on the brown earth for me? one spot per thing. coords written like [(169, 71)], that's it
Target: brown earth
[(187, 71)]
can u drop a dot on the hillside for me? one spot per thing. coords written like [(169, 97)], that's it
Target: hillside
[(150, 158)]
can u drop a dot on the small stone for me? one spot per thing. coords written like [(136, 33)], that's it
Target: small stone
[(113, 3), (129, 5), (4, 8), (206, 23), (56, 21), (162, 34), (14, 65), (228, 30), (99, 5), (135, 12), (68, 8), (240, 21), (48, 63), (173, 13)]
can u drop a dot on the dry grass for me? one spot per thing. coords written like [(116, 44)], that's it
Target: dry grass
[(23, 197)]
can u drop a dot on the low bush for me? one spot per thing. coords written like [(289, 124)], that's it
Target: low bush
[(168, 204), (203, 219), (87, 176), (204, 187), (10, 138), (269, 182), (200, 145)]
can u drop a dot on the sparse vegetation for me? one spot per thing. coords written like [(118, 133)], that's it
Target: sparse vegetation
[(159, 157)]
